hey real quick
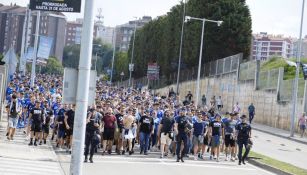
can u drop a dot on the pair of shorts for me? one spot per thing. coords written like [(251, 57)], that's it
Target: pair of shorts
[(165, 139), (69, 132), (229, 141), (36, 127), (198, 140), (215, 141), (206, 140), (108, 134), (13, 122), (302, 127), (61, 134), (45, 129), (127, 134)]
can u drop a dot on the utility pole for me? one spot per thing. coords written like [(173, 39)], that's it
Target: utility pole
[(82, 89), (35, 48), (295, 89), (132, 54)]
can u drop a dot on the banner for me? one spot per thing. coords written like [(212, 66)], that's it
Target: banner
[(30, 53), (56, 5), (45, 44), (153, 71)]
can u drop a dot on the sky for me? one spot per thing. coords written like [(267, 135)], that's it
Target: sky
[(272, 16)]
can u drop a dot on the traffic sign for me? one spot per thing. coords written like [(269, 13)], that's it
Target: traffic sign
[(56, 5)]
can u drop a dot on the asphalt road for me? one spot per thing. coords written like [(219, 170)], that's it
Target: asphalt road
[(280, 148), (153, 165)]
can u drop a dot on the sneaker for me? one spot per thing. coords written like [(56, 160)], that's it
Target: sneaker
[(141, 152), (40, 143), (123, 152), (130, 153), (103, 153), (233, 159), (45, 141), (109, 152), (195, 158), (145, 153), (217, 159), (211, 157), (30, 144), (35, 144), (161, 157)]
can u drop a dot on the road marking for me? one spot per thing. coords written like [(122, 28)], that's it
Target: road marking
[(177, 164)]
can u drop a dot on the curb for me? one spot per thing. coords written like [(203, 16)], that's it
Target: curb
[(285, 137), (267, 167)]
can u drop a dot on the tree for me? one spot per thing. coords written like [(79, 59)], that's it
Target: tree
[(121, 64), (159, 40), (53, 66), (71, 56)]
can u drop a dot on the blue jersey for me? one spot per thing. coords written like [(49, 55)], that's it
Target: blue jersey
[(30, 106), (56, 108)]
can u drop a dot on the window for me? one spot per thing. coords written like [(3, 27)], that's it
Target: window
[(69, 34), (69, 28), (124, 38), (125, 31), (68, 39)]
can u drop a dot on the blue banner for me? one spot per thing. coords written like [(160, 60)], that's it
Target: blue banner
[(45, 44), (30, 53)]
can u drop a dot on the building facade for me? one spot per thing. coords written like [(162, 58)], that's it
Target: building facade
[(124, 33), (74, 31), (106, 34), (265, 46), (12, 19)]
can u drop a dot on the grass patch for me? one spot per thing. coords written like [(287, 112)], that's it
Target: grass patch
[(276, 62), (278, 164)]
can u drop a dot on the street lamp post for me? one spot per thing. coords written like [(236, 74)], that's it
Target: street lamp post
[(131, 67), (295, 89), (96, 55), (114, 50), (180, 50), (204, 20)]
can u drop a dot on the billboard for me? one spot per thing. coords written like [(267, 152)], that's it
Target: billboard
[(45, 44), (56, 5)]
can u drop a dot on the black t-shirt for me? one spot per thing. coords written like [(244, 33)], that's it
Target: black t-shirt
[(48, 114), (37, 115), (182, 122), (120, 119), (90, 128), (146, 124), (167, 123), (61, 122), (70, 118), (243, 131), (216, 128)]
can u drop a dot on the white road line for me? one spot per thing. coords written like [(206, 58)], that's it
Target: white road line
[(178, 164)]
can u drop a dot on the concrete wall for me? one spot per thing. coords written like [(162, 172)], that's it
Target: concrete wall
[(268, 110)]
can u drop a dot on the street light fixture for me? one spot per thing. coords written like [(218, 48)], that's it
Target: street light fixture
[(204, 20)]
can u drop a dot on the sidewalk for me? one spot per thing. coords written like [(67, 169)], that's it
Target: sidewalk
[(16, 157), (279, 133)]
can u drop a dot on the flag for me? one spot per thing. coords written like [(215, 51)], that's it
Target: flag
[(11, 61)]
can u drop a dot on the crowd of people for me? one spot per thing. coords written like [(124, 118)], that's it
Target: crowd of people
[(123, 118)]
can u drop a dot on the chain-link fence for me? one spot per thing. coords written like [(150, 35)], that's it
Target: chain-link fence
[(247, 71), (286, 89), (268, 80), (219, 67)]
